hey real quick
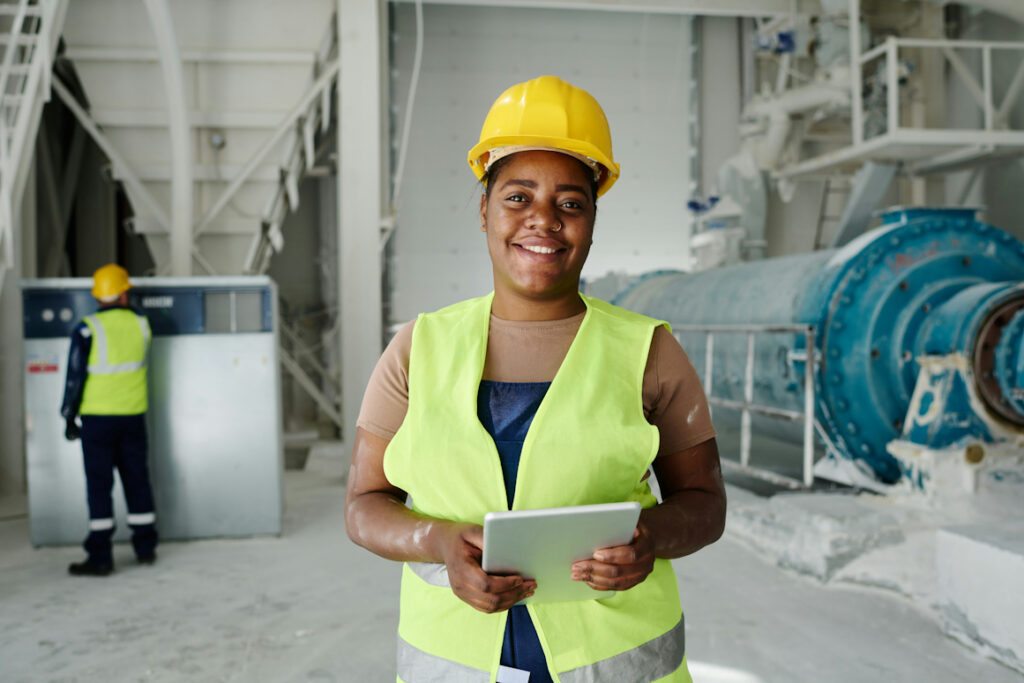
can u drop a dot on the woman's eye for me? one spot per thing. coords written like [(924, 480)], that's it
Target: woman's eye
[(515, 198), (572, 204)]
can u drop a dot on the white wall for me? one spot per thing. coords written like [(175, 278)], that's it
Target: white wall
[(636, 65)]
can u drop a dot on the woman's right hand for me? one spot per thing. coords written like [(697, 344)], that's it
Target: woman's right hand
[(462, 550), (377, 519)]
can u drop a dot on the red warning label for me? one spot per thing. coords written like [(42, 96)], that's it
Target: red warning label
[(38, 365)]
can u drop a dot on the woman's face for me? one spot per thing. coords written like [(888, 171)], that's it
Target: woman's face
[(532, 195)]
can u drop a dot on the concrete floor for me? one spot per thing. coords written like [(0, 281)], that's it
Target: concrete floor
[(310, 606)]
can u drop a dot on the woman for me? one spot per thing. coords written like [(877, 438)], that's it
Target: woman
[(535, 396)]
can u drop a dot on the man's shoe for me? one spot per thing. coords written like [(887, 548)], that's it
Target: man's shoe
[(147, 559), (90, 568)]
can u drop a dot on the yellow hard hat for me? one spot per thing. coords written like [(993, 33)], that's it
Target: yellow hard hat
[(110, 281), (548, 113)]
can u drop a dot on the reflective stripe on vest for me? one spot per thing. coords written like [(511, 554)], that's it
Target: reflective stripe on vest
[(592, 420), (653, 660), (650, 661), (434, 573), (416, 665), (103, 365)]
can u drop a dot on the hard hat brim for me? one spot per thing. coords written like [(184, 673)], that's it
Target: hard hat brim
[(475, 157)]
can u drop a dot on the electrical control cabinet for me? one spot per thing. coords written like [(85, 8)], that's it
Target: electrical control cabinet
[(214, 419)]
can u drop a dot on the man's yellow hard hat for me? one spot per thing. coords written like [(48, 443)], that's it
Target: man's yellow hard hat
[(547, 113), (109, 281)]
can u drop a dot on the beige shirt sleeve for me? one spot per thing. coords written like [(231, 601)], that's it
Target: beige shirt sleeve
[(673, 398), (386, 398)]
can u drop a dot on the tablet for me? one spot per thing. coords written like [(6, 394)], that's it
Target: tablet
[(542, 545)]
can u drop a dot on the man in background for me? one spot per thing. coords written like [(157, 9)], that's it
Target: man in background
[(106, 385)]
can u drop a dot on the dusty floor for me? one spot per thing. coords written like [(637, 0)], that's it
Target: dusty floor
[(310, 606)]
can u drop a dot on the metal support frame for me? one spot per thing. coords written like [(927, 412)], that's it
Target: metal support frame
[(121, 167), (60, 199), (856, 75), (309, 385), (312, 107), (982, 92), (720, 8), (287, 125), (292, 361), (181, 137), (303, 352), (924, 150), (747, 406)]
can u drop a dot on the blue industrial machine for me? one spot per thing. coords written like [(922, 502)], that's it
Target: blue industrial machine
[(214, 419), (919, 334)]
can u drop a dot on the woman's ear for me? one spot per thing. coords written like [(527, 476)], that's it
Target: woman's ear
[(483, 212)]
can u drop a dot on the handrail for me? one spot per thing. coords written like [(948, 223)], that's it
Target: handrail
[(5, 69), (747, 405), (995, 117), (28, 49), (300, 160)]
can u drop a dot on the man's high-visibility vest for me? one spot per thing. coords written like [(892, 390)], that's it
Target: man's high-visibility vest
[(116, 382), (588, 443)]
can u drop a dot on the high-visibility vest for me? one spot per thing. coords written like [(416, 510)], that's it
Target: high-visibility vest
[(116, 382), (588, 443)]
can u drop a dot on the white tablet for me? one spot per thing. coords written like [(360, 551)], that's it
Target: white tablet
[(542, 545)]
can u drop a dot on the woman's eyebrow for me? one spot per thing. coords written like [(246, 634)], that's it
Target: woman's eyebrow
[(532, 185), (519, 181)]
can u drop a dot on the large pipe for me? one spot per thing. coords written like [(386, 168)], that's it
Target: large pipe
[(928, 282)]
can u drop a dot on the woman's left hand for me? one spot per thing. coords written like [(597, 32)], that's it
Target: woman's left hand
[(619, 567)]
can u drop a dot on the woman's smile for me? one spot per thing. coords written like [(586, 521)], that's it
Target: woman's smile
[(540, 249)]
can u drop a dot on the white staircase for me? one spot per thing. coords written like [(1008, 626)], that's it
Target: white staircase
[(29, 30), (256, 76)]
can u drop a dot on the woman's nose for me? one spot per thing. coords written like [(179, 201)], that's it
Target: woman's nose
[(545, 218)]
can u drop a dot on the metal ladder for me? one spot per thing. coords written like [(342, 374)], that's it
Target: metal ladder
[(29, 31)]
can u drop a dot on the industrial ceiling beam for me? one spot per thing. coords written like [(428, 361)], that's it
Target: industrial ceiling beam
[(720, 8), (180, 134)]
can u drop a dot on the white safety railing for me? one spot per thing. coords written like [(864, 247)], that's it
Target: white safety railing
[(747, 406), (995, 116), (28, 49)]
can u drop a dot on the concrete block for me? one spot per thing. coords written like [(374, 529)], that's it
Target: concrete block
[(981, 587), (814, 534)]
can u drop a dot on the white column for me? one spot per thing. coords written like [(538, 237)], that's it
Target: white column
[(12, 362), (181, 137), (362, 166)]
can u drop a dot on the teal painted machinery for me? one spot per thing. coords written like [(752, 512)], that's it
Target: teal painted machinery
[(919, 334)]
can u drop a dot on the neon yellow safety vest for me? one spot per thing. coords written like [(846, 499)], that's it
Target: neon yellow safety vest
[(116, 382), (588, 443)]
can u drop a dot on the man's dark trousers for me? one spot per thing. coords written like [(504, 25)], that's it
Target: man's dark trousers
[(120, 441)]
